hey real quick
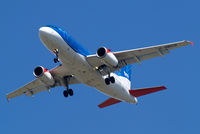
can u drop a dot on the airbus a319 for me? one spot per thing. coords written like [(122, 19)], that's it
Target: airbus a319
[(108, 72)]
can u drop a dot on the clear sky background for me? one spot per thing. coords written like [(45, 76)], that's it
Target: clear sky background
[(118, 25)]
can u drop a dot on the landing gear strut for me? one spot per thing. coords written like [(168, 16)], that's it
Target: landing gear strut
[(56, 53), (67, 91), (103, 69), (109, 79)]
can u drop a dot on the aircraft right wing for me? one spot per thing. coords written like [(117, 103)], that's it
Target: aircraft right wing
[(37, 86), (141, 54), (138, 55)]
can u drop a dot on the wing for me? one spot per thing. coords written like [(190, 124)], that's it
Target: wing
[(60, 71), (37, 86), (25, 89), (138, 55)]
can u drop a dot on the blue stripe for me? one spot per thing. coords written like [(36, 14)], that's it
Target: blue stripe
[(70, 41), (126, 72)]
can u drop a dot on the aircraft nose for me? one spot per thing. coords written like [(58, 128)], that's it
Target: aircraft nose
[(43, 32)]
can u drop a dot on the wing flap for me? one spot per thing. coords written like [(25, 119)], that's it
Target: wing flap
[(32, 85), (144, 91), (109, 102), (36, 90)]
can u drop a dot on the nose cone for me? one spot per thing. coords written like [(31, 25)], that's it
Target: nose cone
[(44, 32), (46, 35), (49, 37)]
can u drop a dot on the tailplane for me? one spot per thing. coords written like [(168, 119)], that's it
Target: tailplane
[(135, 93), (144, 91), (109, 102)]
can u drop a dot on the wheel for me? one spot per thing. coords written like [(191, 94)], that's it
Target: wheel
[(107, 81), (112, 79), (65, 93), (70, 92), (55, 60)]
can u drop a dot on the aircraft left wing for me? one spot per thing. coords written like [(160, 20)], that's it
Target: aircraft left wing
[(37, 86), (27, 89), (137, 55)]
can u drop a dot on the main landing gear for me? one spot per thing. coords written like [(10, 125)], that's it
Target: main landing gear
[(56, 53), (109, 79), (67, 91), (103, 69)]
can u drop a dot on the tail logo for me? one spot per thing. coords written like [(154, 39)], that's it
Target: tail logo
[(126, 74)]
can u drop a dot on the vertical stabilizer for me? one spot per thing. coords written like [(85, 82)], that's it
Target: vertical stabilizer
[(126, 72)]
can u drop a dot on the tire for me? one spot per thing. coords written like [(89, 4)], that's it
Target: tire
[(65, 93), (107, 81), (70, 92), (112, 79)]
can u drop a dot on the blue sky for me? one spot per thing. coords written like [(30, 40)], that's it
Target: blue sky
[(118, 25)]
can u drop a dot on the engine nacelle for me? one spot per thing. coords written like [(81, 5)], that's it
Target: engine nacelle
[(44, 76), (107, 56)]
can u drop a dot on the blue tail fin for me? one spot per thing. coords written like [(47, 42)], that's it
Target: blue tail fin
[(126, 72)]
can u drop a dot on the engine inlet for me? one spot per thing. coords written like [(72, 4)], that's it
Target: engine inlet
[(38, 71)]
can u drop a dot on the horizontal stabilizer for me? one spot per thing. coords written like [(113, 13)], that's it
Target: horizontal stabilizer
[(109, 102), (144, 91)]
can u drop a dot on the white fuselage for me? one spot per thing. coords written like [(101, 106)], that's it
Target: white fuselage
[(80, 68)]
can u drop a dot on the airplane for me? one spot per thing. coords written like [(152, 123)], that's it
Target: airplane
[(108, 72)]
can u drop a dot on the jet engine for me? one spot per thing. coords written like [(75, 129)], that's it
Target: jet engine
[(107, 56), (44, 76)]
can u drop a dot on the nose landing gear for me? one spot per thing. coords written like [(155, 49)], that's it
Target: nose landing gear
[(56, 53)]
